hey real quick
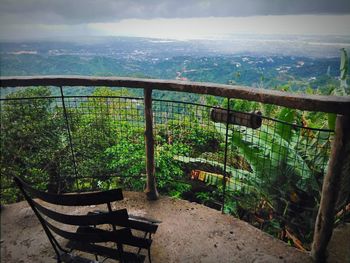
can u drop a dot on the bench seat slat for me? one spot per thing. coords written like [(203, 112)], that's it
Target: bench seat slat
[(126, 239), (105, 251), (135, 222), (142, 226), (95, 235), (91, 236)]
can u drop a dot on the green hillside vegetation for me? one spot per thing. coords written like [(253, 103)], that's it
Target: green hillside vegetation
[(299, 73)]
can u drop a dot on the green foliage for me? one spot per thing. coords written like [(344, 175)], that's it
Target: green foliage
[(104, 129), (166, 168), (203, 196), (285, 130), (187, 130), (341, 89), (127, 157), (31, 140), (241, 105), (168, 171)]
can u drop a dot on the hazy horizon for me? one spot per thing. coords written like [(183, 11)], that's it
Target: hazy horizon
[(170, 19), (211, 28)]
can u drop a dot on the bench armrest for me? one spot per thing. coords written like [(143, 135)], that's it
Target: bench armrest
[(147, 225)]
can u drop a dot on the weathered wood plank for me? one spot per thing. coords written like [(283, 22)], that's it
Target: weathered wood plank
[(251, 120), (333, 104), (330, 190), (151, 188)]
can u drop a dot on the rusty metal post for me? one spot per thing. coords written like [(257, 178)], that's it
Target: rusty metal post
[(330, 189), (151, 188)]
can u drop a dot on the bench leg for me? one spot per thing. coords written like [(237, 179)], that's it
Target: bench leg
[(120, 252), (149, 255), (138, 251)]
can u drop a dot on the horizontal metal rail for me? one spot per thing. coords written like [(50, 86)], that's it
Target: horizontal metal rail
[(331, 104)]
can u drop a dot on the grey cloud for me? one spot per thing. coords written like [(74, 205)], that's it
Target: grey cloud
[(84, 11)]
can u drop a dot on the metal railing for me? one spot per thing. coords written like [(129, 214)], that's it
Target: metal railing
[(267, 175)]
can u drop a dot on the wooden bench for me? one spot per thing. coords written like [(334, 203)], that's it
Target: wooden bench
[(91, 232)]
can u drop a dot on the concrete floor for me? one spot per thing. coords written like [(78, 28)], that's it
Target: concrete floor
[(189, 232)]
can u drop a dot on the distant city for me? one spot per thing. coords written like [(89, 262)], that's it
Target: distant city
[(264, 62)]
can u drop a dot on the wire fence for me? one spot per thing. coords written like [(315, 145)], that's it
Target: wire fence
[(270, 175)]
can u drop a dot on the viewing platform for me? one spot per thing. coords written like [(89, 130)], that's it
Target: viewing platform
[(189, 232)]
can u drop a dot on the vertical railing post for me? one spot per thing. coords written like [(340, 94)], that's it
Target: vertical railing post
[(151, 188), (225, 157), (69, 137), (330, 188)]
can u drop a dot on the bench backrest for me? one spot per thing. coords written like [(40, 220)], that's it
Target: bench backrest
[(79, 199), (43, 212)]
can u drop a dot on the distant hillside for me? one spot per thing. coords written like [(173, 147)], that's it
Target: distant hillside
[(148, 58)]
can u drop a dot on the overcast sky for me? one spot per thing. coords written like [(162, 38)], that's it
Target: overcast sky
[(24, 19)]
